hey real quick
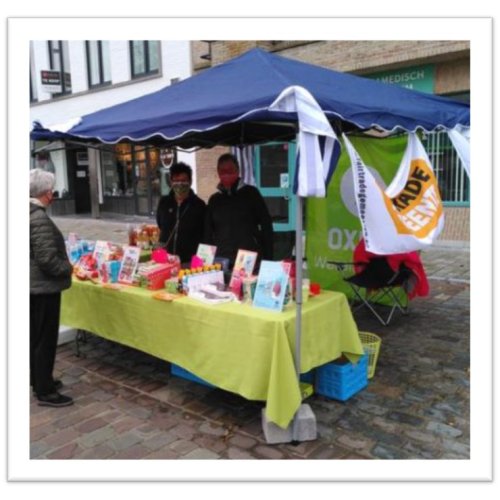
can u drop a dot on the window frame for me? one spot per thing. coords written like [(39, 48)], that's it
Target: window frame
[(60, 55), (100, 65), (147, 63)]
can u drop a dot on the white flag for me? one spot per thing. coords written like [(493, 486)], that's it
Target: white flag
[(315, 167), (460, 139), (408, 215)]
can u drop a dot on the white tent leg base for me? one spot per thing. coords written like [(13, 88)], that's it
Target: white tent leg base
[(305, 427)]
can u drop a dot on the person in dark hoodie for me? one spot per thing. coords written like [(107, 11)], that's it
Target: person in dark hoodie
[(50, 274), (180, 215), (237, 215)]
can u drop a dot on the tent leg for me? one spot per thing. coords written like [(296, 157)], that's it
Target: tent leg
[(304, 421)]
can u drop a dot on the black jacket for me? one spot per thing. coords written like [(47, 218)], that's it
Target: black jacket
[(181, 226), (50, 269), (239, 218)]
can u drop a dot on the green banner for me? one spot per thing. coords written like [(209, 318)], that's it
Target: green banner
[(415, 78), (333, 228)]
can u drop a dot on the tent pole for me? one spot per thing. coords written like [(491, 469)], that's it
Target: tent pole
[(298, 295), (298, 280)]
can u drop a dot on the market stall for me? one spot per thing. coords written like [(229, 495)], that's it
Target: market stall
[(236, 347), (259, 97)]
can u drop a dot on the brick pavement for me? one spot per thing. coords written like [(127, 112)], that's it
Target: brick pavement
[(127, 406)]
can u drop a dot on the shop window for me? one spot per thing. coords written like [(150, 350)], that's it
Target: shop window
[(98, 63), (145, 57), (117, 171), (59, 61)]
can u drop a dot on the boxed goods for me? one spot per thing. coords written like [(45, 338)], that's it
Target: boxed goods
[(153, 275)]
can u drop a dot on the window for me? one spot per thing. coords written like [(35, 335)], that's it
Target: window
[(98, 63), (33, 87), (117, 174), (450, 173), (59, 61), (144, 56), (453, 181)]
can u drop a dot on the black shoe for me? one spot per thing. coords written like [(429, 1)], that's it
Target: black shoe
[(55, 400)]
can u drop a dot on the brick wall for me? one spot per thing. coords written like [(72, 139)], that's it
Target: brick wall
[(456, 224), (206, 169), (452, 60)]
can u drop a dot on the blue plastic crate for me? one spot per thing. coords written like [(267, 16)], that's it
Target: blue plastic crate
[(178, 371), (341, 381)]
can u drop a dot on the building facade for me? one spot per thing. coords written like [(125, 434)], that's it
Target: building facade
[(71, 78), (437, 67)]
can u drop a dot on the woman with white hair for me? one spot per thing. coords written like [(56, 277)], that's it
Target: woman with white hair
[(50, 274)]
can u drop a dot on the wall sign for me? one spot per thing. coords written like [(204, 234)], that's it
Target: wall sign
[(415, 78)]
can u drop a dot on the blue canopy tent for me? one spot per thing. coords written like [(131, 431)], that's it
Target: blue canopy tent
[(234, 104), (228, 105)]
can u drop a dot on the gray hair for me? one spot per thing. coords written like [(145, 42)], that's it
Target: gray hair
[(41, 182)]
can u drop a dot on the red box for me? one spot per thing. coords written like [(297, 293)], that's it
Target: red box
[(156, 274)]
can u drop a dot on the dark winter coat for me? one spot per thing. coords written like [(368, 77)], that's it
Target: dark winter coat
[(181, 225), (238, 218), (50, 269)]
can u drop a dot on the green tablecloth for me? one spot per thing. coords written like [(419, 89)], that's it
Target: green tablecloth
[(236, 347)]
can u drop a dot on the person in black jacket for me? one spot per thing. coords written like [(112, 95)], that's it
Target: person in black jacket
[(237, 215), (180, 215), (50, 273)]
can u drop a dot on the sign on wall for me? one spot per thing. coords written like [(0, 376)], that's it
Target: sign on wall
[(51, 81), (415, 78)]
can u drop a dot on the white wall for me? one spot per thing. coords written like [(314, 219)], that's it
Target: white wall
[(176, 63)]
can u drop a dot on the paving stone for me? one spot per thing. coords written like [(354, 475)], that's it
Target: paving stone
[(213, 443), (372, 409), (132, 453), (421, 436), (160, 440), (38, 448), (201, 454), (268, 452), (183, 431), (126, 424), (443, 429), (457, 447), (405, 418), (124, 441), (241, 441), (57, 439), (105, 434), (212, 429), (181, 446), (353, 443), (328, 452), (39, 432), (99, 452), (91, 425), (162, 454), (235, 453), (381, 451)]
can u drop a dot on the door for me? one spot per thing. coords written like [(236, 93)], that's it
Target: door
[(78, 161), (275, 168), (274, 173), (147, 179)]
